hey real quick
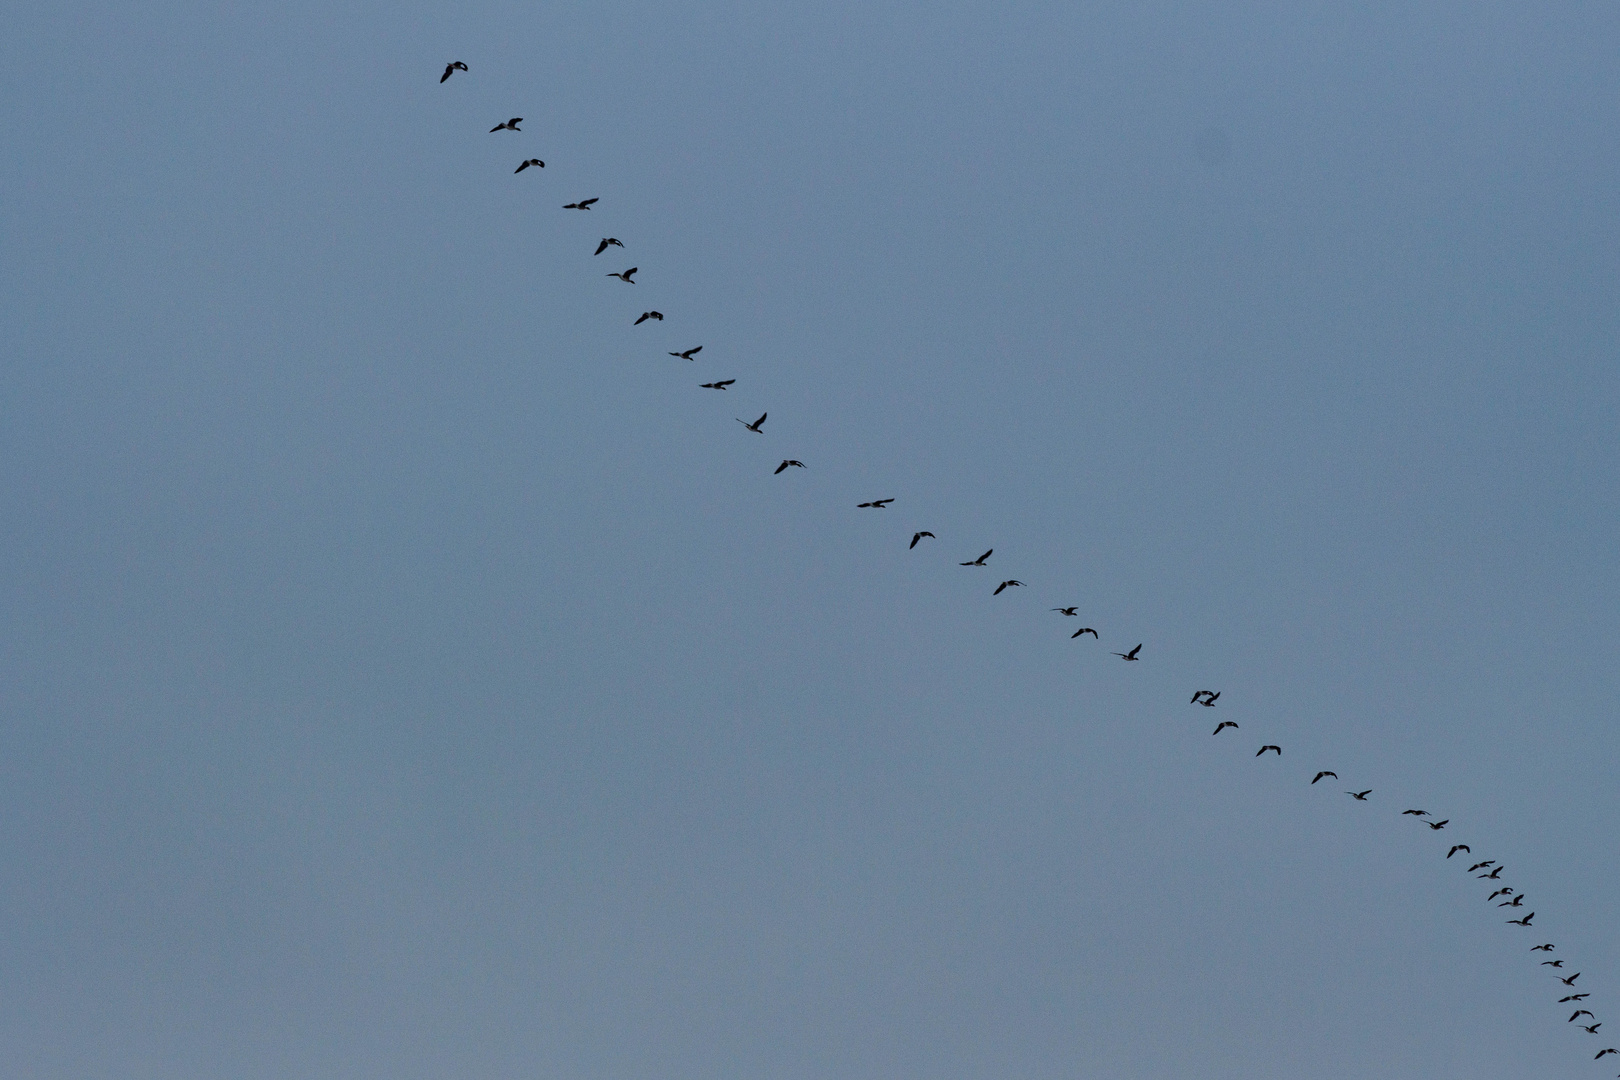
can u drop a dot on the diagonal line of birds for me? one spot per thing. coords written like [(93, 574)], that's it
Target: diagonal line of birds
[(1503, 897)]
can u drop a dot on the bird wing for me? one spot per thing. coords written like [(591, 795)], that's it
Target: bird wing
[(761, 419), (587, 202), (780, 468), (1003, 585), (603, 247), (1133, 652), (448, 68)]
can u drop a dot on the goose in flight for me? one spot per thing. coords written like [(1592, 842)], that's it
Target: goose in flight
[(1459, 847), (1209, 702), (1198, 698), (645, 315), (1610, 1050), (1592, 1029), (721, 385), (754, 427), (625, 276), (1498, 892), (510, 125), (536, 162), (1438, 825), (1481, 865), (1004, 585), (607, 242), (1542, 948), (875, 504), (689, 353), (1224, 724), (1571, 980), (918, 536), (1263, 749), (1573, 997), (1132, 654), (451, 68), (1577, 1014), (1067, 610), (1551, 963), (1494, 874), (1526, 922), (1360, 796), (979, 561), (583, 204), (786, 464), (1325, 772), (1518, 901), (1084, 630), (1419, 813)]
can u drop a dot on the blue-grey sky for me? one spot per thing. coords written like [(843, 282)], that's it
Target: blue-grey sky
[(410, 672)]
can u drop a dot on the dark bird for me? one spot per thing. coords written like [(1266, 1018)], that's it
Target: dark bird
[(1132, 654), (451, 68), (1610, 1050), (1004, 585), (1263, 749), (789, 462), (1592, 1030), (1571, 980), (1542, 948), (645, 315), (1577, 1014), (1084, 630), (1438, 825), (1552, 963), (689, 353), (1517, 901), (1481, 865), (1498, 892), (1524, 921), (536, 162), (510, 125), (1419, 813), (1323, 773), (1222, 726), (1360, 796), (607, 241), (875, 504), (1209, 702), (1573, 997), (754, 427), (1459, 847), (1200, 694), (625, 275), (1066, 610), (583, 204), (1494, 874), (980, 560), (721, 385), (918, 536)]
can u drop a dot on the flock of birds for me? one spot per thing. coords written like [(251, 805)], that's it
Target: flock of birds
[(1485, 870)]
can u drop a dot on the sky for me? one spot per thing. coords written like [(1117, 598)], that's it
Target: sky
[(410, 671)]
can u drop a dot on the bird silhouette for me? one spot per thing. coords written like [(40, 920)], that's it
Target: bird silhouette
[(875, 504), (1498, 892), (451, 68), (721, 385), (1205, 697), (689, 353), (1222, 726), (1005, 584), (788, 463), (1084, 630), (1420, 813), (1494, 874), (1066, 610), (1481, 865), (918, 536), (510, 125), (1591, 1029), (1610, 1050), (1542, 948), (1573, 997), (1325, 772), (645, 315), (1577, 1014), (1517, 901), (1524, 921), (1552, 963), (1459, 847), (1571, 980), (754, 427), (979, 561), (607, 242), (1438, 825), (1132, 654), (1263, 749), (1209, 702), (1360, 796), (534, 161), (625, 276), (583, 204)]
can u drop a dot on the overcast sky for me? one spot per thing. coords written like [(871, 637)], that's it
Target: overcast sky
[(410, 671)]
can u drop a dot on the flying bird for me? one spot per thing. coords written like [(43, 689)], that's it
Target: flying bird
[(1610, 1050), (1323, 773), (786, 464), (689, 353), (1263, 749), (754, 427), (721, 385), (1419, 813), (1066, 610), (1481, 865), (1517, 901), (1552, 963), (1360, 796), (1494, 874), (1209, 702), (875, 504), (918, 536), (510, 125), (536, 162), (1573, 997), (1084, 630), (1132, 654), (607, 241), (583, 204), (645, 315), (1571, 980), (1592, 1030), (625, 275), (1205, 697), (1542, 948), (1224, 724), (1004, 584), (979, 561), (451, 68), (1526, 922), (1458, 847), (1438, 825), (1577, 1014), (1498, 892)]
